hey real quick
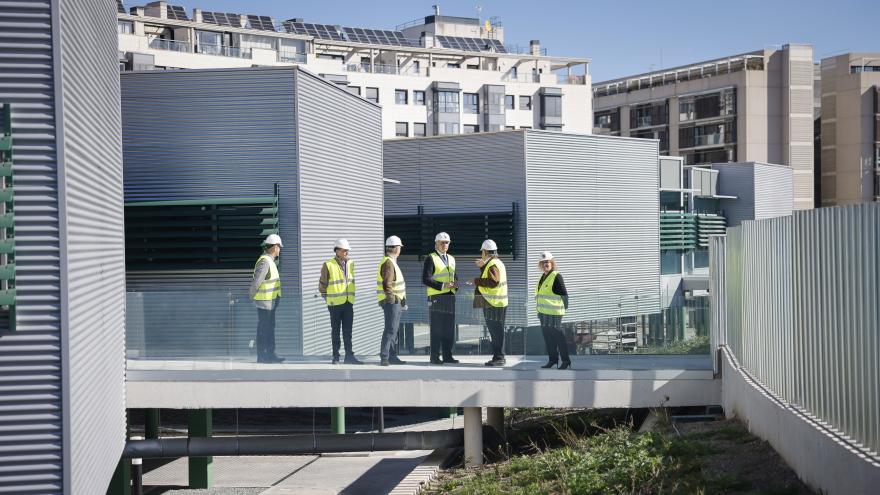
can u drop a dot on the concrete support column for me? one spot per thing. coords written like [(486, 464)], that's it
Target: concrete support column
[(337, 420), (151, 423), (495, 418), (201, 425), (120, 483), (473, 436)]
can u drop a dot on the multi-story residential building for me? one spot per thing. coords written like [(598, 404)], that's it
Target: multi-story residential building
[(850, 134), (432, 76), (756, 106)]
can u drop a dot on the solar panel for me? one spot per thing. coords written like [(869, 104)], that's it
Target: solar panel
[(261, 22), (119, 7), (471, 44), (320, 31), (176, 12), (222, 19), (378, 37)]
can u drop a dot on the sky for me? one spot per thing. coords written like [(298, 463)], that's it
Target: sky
[(620, 38)]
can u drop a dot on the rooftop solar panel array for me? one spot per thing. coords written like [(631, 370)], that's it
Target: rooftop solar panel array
[(120, 8), (379, 37), (471, 44), (176, 12), (320, 31), (222, 19), (261, 22)]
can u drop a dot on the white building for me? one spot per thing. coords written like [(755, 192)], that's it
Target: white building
[(437, 75)]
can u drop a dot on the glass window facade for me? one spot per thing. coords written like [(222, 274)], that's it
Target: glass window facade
[(525, 102), (445, 128), (707, 106), (372, 94), (401, 129), (447, 102), (552, 106), (418, 97), (401, 96), (471, 103), (509, 102), (420, 129), (471, 129), (649, 114)]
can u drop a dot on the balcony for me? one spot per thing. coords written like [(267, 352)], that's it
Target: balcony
[(566, 79), (386, 69), (292, 57), (224, 51), (520, 78), (171, 45)]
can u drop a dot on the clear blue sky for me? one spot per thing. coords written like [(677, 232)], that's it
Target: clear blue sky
[(620, 37)]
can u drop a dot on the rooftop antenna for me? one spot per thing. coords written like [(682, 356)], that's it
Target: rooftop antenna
[(436, 10), (479, 9)]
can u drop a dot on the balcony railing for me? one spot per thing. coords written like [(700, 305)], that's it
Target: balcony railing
[(385, 69), (521, 78), (292, 57), (171, 45), (566, 79), (224, 51)]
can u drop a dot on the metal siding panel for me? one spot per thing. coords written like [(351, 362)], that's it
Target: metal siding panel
[(30, 357), (604, 230), (234, 137), (774, 191), (457, 174), (736, 180), (340, 151)]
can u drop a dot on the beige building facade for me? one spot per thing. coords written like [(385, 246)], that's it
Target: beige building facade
[(850, 135), (756, 106)]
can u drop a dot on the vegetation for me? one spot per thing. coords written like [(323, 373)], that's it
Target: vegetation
[(696, 345)]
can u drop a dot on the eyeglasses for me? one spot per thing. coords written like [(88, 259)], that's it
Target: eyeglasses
[(443, 242), (547, 262)]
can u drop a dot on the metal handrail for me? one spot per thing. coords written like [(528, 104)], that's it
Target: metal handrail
[(224, 51), (171, 45)]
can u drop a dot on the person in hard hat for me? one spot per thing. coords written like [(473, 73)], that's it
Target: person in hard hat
[(438, 275), (391, 292), (265, 292), (551, 300), (336, 286), (491, 295)]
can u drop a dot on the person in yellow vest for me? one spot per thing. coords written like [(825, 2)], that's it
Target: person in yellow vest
[(551, 300), (391, 292), (438, 275), (265, 292), (491, 295), (336, 286)]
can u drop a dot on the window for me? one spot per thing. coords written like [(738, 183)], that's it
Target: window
[(552, 106), (508, 101), (471, 129), (707, 106), (418, 97), (355, 90), (509, 128), (647, 115), (373, 95), (607, 119), (365, 64), (447, 102), (453, 66), (556, 128), (420, 129), (416, 66), (525, 127), (471, 103), (473, 66), (445, 128), (401, 129), (400, 96), (525, 102), (124, 27)]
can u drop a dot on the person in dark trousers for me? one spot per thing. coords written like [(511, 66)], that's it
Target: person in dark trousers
[(438, 275), (551, 300), (265, 292), (337, 287), (491, 295), (391, 292)]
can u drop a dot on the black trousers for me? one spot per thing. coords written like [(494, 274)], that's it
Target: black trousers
[(495, 318), (388, 345), (441, 312), (554, 338), (341, 318), (266, 333)]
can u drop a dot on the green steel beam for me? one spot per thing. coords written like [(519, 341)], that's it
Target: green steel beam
[(120, 483), (200, 468), (151, 424), (337, 420), (257, 200)]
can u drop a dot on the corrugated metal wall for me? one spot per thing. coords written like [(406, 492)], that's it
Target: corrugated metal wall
[(593, 202), (774, 191), (763, 190), (222, 133), (736, 180), (801, 309), (340, 156), (459, 174), (93, 244)]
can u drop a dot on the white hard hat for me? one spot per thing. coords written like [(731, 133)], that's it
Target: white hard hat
[(442, 236), (489, 245), (273, 239), (393, 241), (341, 244), (546, 256)]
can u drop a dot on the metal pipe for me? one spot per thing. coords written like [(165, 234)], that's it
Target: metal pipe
[(291, 445)]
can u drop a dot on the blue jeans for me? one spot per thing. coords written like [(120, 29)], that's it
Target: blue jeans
[(266, 333), (392, 324)]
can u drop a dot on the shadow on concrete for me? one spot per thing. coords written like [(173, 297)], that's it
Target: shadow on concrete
[(383, 477)]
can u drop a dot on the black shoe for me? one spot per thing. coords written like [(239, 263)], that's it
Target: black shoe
[(352, 360), (450, 360), (565, 365), (335, 360), (276, 359), (396, 360), (496, 362), (436, 361), (550, 365), (384, 362)]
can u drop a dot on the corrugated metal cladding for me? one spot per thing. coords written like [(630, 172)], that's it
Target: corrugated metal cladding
[(62, 410), (459, 174), (223, 133), (340, 156), (593, 202), (763, 190), (736, 180), (801, 312), (774, 191)]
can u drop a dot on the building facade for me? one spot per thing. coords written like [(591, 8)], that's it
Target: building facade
[(433, 76), (756, 106), (850, 129)]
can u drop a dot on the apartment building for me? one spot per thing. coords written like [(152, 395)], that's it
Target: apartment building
[(432, 76), (850, 130), (755, 107)]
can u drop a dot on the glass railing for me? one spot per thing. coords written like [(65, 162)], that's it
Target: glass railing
[(566, 79), (292, 57), (522, 78), (171, 45), (224, 51)]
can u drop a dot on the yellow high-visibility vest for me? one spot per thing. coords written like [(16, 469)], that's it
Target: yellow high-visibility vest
[(270, 288), (398, 287), (549, 303), (495, 296), (340, 289), (442, 273)]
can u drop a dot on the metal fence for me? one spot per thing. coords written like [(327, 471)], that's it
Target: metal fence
[(797, 301)]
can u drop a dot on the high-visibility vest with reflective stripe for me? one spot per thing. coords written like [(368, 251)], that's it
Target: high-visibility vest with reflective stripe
[(270, 287), (495, 296), (398, 287), (340, 289), (442, 273), (549, 303)]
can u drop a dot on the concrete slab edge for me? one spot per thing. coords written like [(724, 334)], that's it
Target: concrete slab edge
[(424, 473)]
